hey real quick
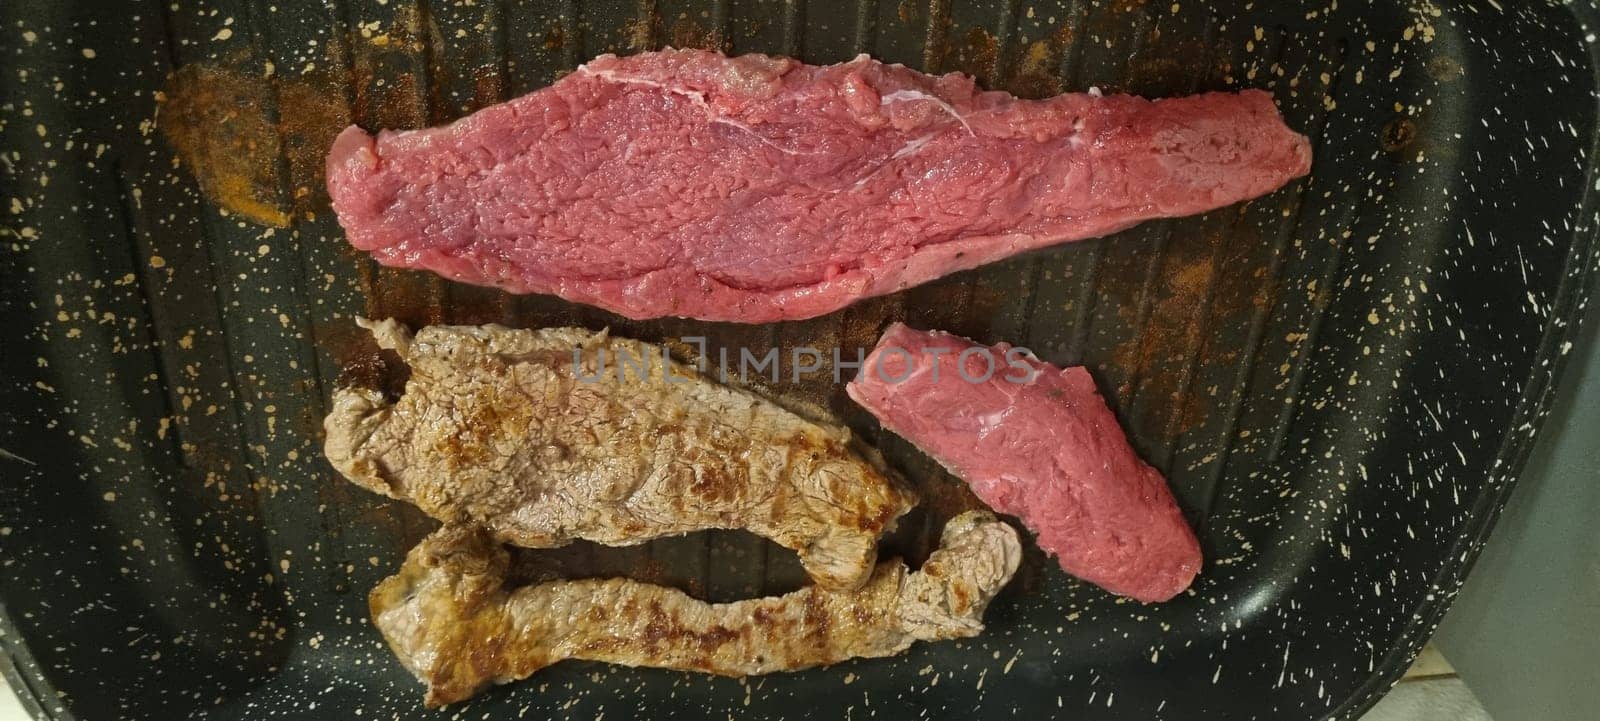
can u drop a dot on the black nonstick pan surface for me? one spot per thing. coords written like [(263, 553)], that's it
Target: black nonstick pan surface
[(1341, 379)]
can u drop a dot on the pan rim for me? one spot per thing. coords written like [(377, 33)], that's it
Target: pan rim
[(1578, 280)]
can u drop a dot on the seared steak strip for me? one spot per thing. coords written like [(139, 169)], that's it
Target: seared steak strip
[(505, 429), (452, 621)]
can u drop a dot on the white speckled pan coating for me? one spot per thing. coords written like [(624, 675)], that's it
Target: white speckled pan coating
[(1341, 378)]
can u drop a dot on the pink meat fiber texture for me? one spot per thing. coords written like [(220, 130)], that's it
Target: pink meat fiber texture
[(1048, 451), (756, 189)]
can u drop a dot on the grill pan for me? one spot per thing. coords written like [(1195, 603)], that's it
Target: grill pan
[(1341, 379)]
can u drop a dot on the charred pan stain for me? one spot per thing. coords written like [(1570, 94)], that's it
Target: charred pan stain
[(315, 113), (946, 497), (639, 34), (976, 54), (217, 121), (219, 117), (249, 136), (555, 36), (1038, 70), (1445, 68), (361, 363), (1398, 134), (685, 33), (909, 11), (395, 103), (1156, 362), (416, 299), (488, 86), (1175, 65)]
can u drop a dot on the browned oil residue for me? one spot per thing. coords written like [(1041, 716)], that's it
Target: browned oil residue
[(475, 305), (411, 297), (218, 122), (984, 307), (361, 363), (908, 11), (555, 37), (815, 389), (1112, 21), (1172, 332), (315, 113), (218, 117), (488, 86), (947, 497), (945, 304), (1445, 68), (1398, 134), (976, 54), (412, 30), (386, 65), (638, 33), (941, 497), (686, 34), (403, 525), (1188, 307), (1038, 69), (396, 104), (1171, 67)]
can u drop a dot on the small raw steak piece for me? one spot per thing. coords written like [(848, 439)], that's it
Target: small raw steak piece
[(756, 189), (547, 436), (1039, 443), (458, 625)]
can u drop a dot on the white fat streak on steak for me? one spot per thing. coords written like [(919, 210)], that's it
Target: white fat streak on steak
[(754, 189)]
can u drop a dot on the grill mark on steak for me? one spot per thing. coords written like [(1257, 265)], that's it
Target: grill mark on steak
[(452, 620), (754, 189), (495, 428)]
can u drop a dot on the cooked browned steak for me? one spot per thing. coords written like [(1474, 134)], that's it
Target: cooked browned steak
[(530, 435), (453, 622)]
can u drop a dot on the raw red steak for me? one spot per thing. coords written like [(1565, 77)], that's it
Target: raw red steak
[(1039, 443), (753, 189)]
